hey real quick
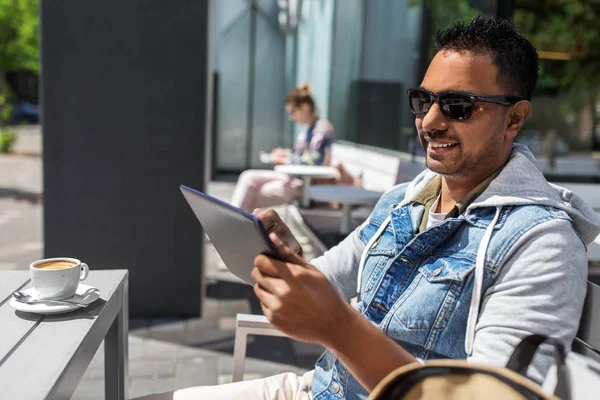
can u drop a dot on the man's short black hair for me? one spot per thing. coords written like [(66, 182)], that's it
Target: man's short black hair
[(515, 56)]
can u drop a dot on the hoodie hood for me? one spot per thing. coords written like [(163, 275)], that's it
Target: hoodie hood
[(522, 182)]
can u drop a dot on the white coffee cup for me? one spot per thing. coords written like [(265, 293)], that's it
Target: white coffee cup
[(57, 278)]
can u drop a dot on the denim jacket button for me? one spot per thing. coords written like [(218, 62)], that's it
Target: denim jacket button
[(437, 271), (335, 388)]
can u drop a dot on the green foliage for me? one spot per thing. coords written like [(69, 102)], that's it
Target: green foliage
[(19, 51), (6, 107), (446, 13), (8, 137), (566, 26), (570, 27), (19, 39)]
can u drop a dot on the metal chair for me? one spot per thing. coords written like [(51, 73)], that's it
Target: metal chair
[(248, 324)]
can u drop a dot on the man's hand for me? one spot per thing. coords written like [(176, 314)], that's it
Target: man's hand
[(298, 299), (274, 224)]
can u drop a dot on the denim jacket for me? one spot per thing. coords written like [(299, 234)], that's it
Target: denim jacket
[(512, 264)]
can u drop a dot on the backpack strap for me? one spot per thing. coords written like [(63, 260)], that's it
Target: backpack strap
[(523, 354)]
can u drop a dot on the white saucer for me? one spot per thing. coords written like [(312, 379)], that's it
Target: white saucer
[(47, 308)]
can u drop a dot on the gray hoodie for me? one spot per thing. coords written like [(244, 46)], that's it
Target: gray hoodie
[(536, 290)]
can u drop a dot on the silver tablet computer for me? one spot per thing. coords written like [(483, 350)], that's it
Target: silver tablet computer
[(237, 235)]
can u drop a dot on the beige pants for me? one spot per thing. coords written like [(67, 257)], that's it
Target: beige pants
[(264, 188), (286, 386)]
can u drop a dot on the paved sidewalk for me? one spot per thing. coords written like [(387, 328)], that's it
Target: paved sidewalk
[(20, 197), (164, 354)]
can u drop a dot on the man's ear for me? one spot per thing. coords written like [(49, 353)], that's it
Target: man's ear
[(516, 117)]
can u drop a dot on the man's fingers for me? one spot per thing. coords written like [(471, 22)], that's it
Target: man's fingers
[(268, 283), (269, 218), (266, 312), (271, 266), (270, 301), (285, 252), (273, 224)]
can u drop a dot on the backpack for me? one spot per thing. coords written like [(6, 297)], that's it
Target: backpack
[(459, 379)]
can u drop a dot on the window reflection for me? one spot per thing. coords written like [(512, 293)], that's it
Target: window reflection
[(361, 56)]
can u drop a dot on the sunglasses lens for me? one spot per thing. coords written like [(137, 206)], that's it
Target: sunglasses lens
[(420, 102), (456, 106)]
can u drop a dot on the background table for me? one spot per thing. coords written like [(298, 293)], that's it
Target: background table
[(306, 173), (347, 196), (44, 357)]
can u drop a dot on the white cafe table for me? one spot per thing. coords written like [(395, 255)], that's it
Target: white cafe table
[(45, 356), (307, 173), (347, 196)]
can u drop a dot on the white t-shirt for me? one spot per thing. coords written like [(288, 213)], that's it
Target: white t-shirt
[(435, 218)]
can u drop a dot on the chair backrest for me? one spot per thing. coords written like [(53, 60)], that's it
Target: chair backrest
[(378, 170), (587, 341)]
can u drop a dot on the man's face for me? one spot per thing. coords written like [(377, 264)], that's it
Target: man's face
[(478, 145)]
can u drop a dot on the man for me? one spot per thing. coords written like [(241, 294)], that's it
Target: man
[(471, 256)]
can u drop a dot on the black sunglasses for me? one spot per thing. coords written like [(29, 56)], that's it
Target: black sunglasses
[(454, 105)]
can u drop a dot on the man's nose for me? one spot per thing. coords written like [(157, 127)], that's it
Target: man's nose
[(434, 120)]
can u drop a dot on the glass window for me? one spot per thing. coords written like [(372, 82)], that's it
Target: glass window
[(361, 56), (393, 42)]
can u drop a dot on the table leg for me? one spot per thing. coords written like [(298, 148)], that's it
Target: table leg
[(345, 224), (239, 353), (116, 353), (305, 198)]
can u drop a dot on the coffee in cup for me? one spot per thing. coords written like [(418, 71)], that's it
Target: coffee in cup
[(57, 278), (56, 264)]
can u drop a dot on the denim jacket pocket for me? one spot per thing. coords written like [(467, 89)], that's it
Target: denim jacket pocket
[(384, 244), (378, 259), (448, 269), (428, 304)]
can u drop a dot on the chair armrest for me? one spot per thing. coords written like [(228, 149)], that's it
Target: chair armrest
[(249, 324), (256, 325)]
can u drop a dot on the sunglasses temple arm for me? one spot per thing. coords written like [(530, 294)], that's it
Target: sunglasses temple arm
[(504, 101)]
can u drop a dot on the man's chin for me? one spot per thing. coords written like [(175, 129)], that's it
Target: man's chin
[(439, 167)]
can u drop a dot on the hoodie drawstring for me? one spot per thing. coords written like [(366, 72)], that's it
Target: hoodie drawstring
[(477, 285), (363, 257)]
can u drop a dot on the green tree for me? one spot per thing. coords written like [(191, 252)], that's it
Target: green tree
[(19, 38), (567, 30), (19, 50)]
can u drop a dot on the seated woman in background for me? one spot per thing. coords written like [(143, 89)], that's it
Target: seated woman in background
[(265, 188)]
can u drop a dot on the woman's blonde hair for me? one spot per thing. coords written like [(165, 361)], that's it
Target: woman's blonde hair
[(301, 95)]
